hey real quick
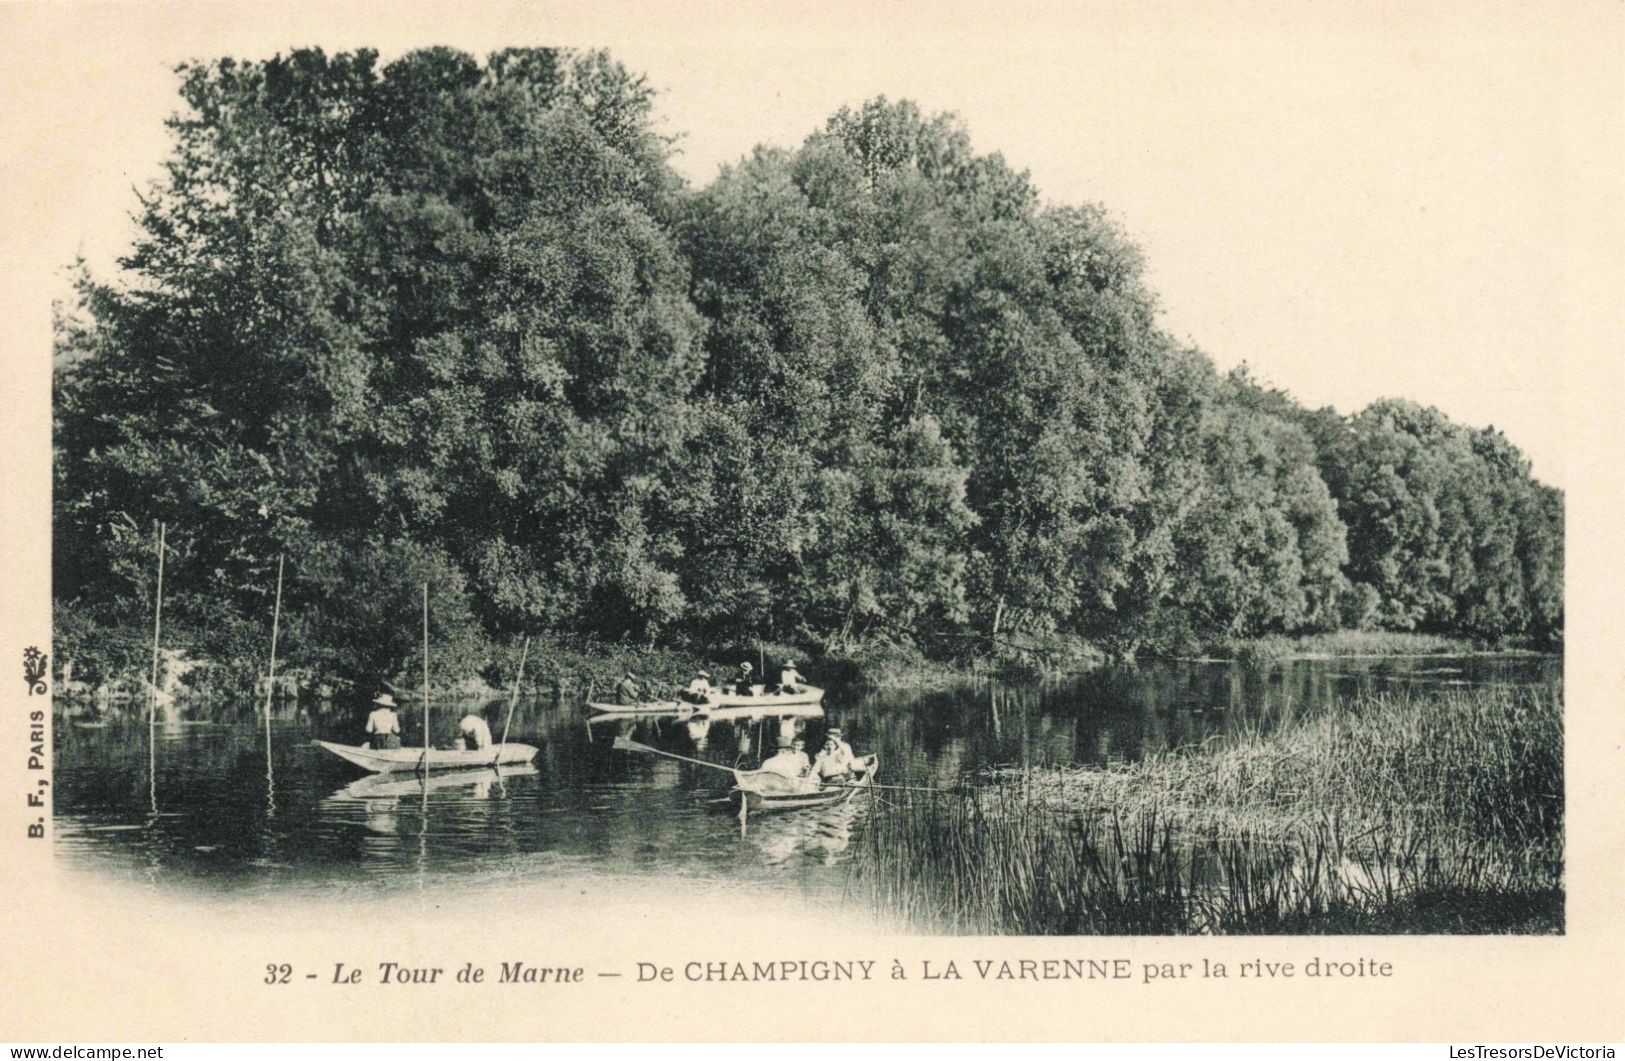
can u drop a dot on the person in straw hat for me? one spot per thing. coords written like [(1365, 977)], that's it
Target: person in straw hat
[(383, 725), (789, 677), (744, 680), (835, 759), (699, 690)]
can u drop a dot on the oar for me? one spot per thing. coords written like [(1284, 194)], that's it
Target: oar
[(626, 744)]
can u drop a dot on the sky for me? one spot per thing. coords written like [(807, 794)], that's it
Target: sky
[(1359, 201)]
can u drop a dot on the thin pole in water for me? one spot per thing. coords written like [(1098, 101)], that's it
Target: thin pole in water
[(524, 654), (157, 625), (276, 619), (152, 701), (270, 686), (425, 678)]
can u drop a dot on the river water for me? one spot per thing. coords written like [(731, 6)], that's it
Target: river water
[(212, 805)]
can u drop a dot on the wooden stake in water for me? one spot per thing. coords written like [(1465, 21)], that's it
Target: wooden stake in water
[(157, 625), (270, 687), (524, 654), (152, 702), (276, 618), (425, 678)]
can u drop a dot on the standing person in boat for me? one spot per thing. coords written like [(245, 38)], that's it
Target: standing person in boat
[(699, 690), (789, 677), (628, 692), (473, 732), (744, 681), (383, 725)]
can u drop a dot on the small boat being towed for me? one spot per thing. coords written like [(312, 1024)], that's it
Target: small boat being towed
[(400, 760), (766, 791)]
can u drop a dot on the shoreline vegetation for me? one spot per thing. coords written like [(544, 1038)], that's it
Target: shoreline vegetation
[(1411, 813), (456, 321), (588, 670)]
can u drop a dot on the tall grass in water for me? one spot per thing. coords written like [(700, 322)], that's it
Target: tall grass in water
[(1343, 643), (1421, 813)]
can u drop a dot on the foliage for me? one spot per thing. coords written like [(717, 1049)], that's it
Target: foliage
[(456, 321)]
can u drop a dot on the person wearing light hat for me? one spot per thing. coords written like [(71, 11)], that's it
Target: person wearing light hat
[(744, 681), (789, 676), (835, 758), (383, 725), (699, 690)]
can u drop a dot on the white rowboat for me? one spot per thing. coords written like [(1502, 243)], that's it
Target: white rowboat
[(405, 760), (765, 791), (807, 694)]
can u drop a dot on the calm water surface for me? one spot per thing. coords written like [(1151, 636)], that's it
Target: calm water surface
[(211, 804)]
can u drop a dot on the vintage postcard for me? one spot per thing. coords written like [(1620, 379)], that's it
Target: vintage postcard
[(811, 522)]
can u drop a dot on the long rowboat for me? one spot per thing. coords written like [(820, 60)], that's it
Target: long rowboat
[(801, 697), (648, 707), (804, 695), (607, 713), (399, 760), (771, 792)]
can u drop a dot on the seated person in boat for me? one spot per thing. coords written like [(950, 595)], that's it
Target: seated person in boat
[(699, 690), (473, 733), (744, 681), (627, 693), (791, 760), (789, 678), (383, 725), (834, 733), (834, 760)]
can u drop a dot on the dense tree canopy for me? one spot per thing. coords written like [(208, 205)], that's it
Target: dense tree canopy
[(459, 321)]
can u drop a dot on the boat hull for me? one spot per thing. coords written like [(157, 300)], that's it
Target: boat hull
[(806, 695), (397, 784), (659, 707), (407, 760), (758, 701)]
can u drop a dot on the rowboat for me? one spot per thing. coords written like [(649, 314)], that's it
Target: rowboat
[(649, 707), (397, 760), (761, 699), (690, 713), (393, 786), (772, 792), (753, 712)]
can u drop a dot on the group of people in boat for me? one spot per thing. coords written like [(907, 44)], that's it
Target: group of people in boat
[(384, 727), (834, 763), (631, 691)]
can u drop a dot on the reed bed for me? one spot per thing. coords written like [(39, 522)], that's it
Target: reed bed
[(1344, 643), (1418, 813)]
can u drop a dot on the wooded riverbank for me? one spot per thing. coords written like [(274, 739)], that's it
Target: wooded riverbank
[(869, 390), (109, 665)]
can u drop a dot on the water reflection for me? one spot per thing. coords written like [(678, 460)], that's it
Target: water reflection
[(218, 795)]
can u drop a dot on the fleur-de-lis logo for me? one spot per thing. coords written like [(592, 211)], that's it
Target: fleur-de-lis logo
[(34, 665)]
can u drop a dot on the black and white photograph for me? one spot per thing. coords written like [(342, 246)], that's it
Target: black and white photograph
[(813, 475)]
